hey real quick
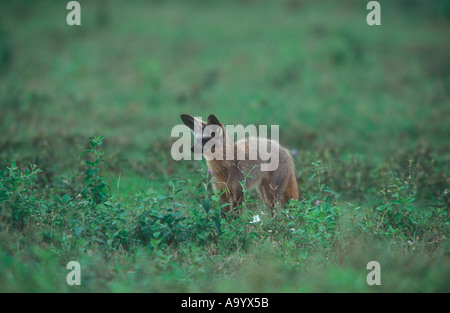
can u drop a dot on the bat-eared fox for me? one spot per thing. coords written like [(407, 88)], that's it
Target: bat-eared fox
[(232, 163)]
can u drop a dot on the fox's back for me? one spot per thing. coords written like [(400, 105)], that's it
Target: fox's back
[(255, 148), (258, 151)]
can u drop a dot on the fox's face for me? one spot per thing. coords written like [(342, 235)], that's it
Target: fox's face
[(208, 135)]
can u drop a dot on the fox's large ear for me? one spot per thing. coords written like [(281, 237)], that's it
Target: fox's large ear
[(212, 120), (188, 120)]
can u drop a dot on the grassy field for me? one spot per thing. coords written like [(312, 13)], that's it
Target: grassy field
[(364, 110)]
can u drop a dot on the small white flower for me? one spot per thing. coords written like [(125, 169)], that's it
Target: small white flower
[(256, 219), (292, 229)]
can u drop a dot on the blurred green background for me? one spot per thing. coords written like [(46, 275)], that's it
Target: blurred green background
[(316, 69), (369, 97)]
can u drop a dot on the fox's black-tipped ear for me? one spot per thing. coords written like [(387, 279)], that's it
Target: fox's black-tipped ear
[(212, 120), (188, 120)]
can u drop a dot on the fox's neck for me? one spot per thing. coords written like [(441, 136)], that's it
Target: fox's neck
[(223, 157)]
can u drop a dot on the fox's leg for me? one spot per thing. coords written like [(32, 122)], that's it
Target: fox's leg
[(222, 190), (232, 195), (236, 196), (278, 187), (291, 190), (267, 194), (225, 198)]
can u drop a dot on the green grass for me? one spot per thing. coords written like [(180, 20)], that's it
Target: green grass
[(365, 109)]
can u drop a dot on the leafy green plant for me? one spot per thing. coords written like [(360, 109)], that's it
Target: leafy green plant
[(96, 188), (17, 200), (323, 191), (397, 214), (397, 210)]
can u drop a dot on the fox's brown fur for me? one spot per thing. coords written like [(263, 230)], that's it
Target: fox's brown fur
[(278, 186)]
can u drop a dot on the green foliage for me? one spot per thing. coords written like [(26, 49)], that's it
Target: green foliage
[(96, 188), (398, 215), (17, 200), (164, 222)]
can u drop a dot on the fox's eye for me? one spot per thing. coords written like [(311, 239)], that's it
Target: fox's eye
[(205, 139)]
